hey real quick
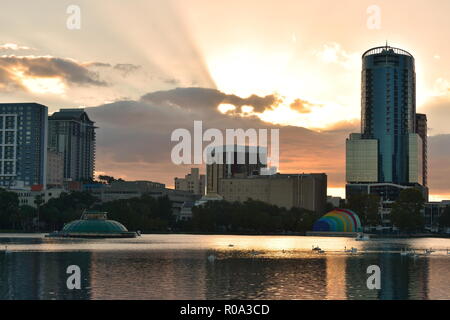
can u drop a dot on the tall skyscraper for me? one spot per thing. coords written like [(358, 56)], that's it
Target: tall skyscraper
[(72, 133), (23, 144), (390, 151)]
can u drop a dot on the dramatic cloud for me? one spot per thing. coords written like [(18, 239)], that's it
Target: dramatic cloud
[(23, 71), (302, 106), (209, 99)]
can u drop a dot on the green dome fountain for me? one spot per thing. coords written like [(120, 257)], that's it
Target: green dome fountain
[(94, 224)]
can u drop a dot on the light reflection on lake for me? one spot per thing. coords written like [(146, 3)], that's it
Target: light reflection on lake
[(245, 267)]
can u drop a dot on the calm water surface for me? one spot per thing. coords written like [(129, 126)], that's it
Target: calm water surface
[(254, 267)]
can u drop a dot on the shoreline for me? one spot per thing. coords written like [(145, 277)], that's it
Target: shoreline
[(299, 234)]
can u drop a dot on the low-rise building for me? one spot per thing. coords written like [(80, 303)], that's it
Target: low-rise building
[(121, 190), (193, 182), (27, 197), (308, 191)]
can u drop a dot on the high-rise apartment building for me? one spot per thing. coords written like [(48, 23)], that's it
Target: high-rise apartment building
[(23, 144), (72, 133), (391, 148)]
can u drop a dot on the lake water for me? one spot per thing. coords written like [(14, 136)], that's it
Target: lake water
[(254, 267)]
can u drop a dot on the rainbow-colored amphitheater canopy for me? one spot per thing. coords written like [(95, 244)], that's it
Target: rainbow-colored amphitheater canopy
[(339, 220)]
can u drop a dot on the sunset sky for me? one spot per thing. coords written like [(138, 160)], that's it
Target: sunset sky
[(145, 68)]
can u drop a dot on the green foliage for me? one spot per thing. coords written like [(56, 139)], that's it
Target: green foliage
[(250, 217), (146, 213), (69, 206), (108, 179), (444, 219), (27, 214), (366, 207), (9, 209), (406, 212)]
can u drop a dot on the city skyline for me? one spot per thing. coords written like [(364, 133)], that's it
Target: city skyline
[(314, 70)]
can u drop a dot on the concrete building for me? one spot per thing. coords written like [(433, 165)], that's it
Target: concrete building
[(28, 196), (233, 162), (55, 169), (193, 182), (120, 190), (72, 133), (23, 144), (308, 191)]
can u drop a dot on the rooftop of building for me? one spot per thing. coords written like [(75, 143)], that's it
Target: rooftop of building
[(237, 148), (23, 104), (386, 50), (278, 176), (71, 114)]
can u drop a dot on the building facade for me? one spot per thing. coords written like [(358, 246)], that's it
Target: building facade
[(119, 190), (308, 191), (28, 197), (23, 144), (422, 131), (233, 162), (362, 159), (72, 133), (55, 169), (193, 182)]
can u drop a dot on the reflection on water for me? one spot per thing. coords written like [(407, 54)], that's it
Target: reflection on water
[(245, 267)]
